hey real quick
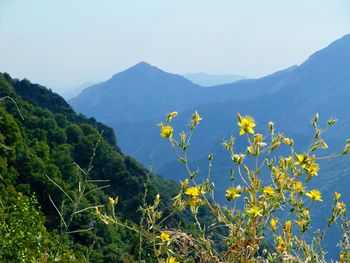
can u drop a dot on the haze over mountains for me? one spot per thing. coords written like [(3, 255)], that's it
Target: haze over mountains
[(134, 101), (68, 94), (144, 91), (139, 97)]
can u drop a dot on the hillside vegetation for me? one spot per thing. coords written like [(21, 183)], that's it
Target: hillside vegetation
[(55, 160)]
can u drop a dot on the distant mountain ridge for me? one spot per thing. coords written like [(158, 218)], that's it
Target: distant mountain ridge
[(138, 93), (209, 80), (290, 97), (144, 92), (68, 94), (148, 93)]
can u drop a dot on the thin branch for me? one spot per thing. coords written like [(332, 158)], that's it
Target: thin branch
[(95, 189), (87, 208), (58, 211), (16, 105), (60, 188), (80, 230)]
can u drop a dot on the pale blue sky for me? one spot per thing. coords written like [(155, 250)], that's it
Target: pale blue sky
[(65, 43)]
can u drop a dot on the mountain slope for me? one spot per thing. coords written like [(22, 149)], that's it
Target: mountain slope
[(138, 93), (50, 140)]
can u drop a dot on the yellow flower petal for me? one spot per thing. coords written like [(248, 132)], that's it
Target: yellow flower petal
[(166, 131), (247, 124), (171, 260), (273, 223), (314, 195), (254, 211), (165, 237), (268, 190)]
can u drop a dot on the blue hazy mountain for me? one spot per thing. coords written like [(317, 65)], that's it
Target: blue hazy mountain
[(290, 97), (146, 92), (140, 92), (72, 92), (209, 80)]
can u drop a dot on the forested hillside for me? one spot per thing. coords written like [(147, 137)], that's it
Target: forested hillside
[(49, 155)]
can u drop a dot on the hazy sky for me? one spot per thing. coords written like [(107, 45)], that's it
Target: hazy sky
[(65, 43)]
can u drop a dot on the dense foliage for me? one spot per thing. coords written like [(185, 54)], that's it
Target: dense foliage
[(47, 155)]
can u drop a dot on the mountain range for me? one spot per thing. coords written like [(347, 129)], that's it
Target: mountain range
[(138, 98), (144, 92), (134, 101)]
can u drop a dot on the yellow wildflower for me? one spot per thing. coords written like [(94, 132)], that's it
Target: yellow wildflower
[(165, 237), (194, 202), (170, 116), (298, 186), (247, 124), (258, 138), (281, 245), (302, 225), (289, 160), (303, 160), (233, 193), (341, 258), (273, 223), (254, 211), (166, 131), (312, 169), (288, 226), (268, 190), (196, 118), (314, 195), (194, 191), (336, 196), (171, 260), (288, 230)]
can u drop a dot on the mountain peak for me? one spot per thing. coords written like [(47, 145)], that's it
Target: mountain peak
[(142, 64), (140, 69), (143, 67)]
